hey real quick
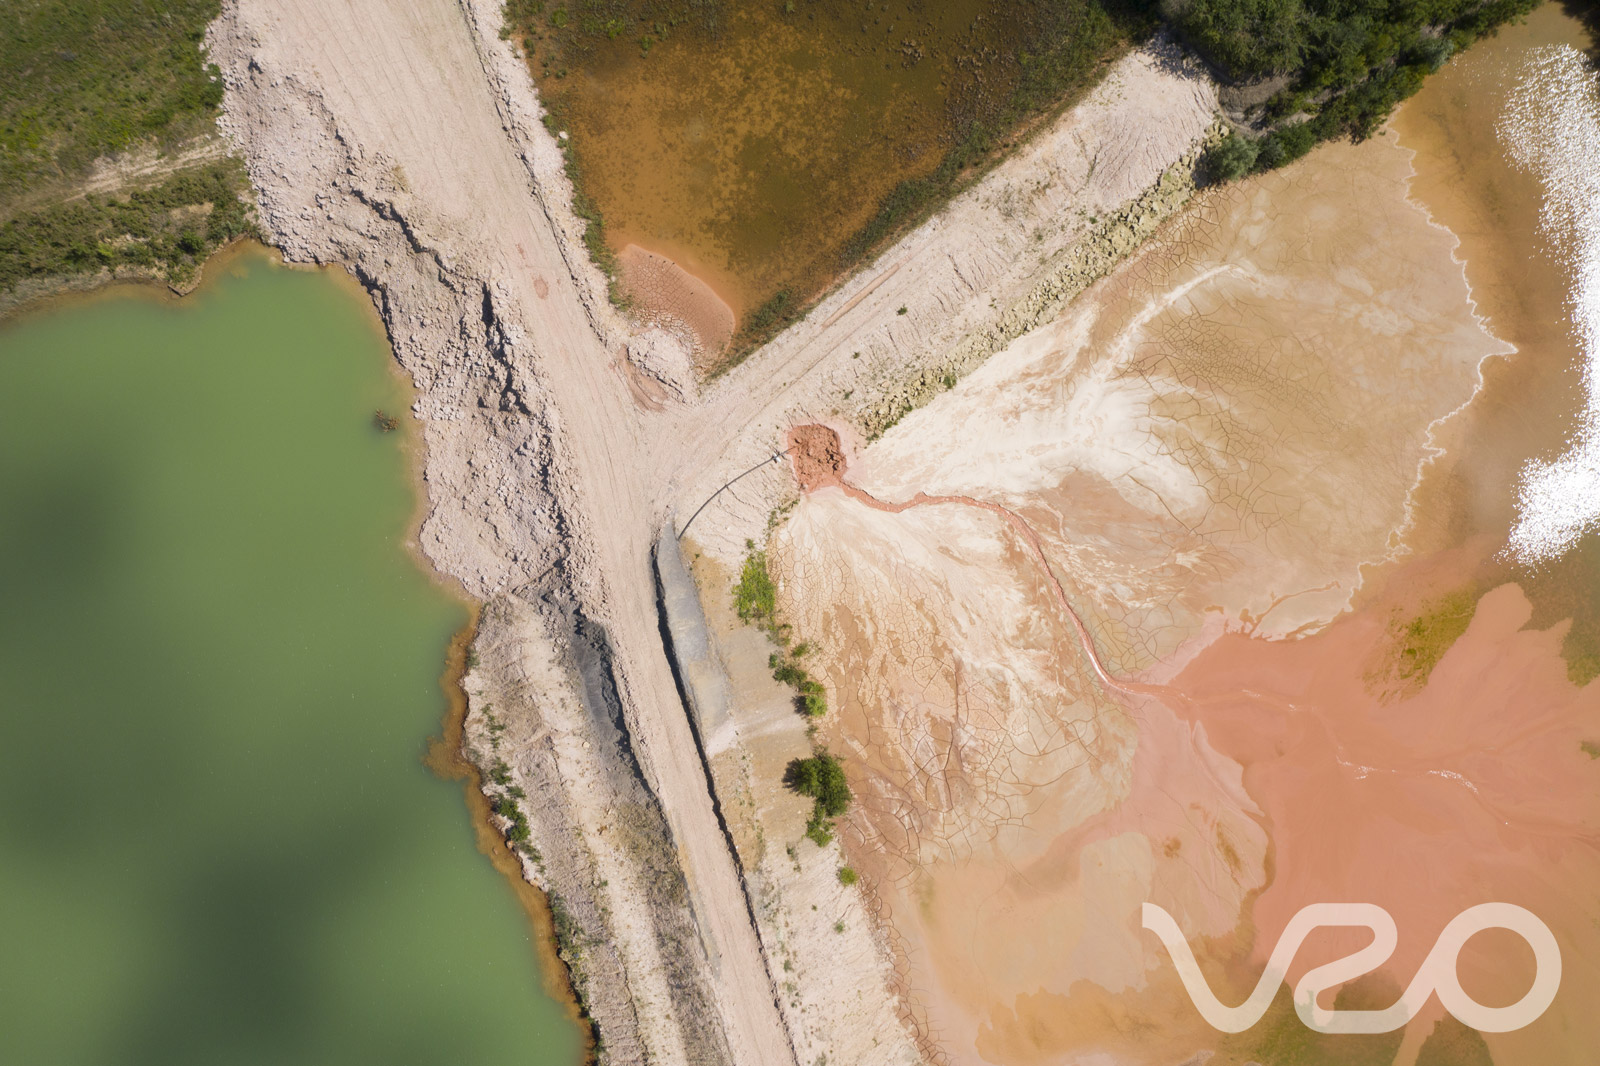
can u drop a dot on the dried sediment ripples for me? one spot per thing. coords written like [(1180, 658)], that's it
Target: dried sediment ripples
[(1218, 435)]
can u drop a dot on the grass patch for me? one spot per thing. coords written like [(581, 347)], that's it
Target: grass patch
[(755, 597), (1282, 1040), (948, 88), (1416, 644), (774, 315), (569, 934), (1453, 1044), (84, 78), (1590, 748), (1425, 638), (1066, 51)]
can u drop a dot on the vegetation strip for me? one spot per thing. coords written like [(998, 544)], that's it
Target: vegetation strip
[(166, 231), (821, 777)]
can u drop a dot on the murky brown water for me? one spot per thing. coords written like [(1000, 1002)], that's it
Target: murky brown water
[(750, 141), (1208, 446), (1530, 402)]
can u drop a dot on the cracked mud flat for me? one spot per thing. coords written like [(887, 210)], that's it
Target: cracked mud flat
[(1209, 446), (405, 143)]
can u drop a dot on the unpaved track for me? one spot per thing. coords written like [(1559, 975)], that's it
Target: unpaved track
[(413, 130), (406, 81)]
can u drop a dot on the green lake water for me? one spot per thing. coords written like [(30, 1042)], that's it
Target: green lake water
[(219, 669)]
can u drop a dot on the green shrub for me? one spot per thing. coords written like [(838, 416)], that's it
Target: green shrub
[(755, 597), (141, 229), (1231, 159), (819, 829), (517, 832), (785, 671), (1285, 145), (847, 876), (822, 778), (1347, 62)]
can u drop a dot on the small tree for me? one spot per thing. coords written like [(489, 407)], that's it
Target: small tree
[(822, 778)]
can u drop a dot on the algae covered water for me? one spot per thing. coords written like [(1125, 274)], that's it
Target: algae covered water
[(219, 668)]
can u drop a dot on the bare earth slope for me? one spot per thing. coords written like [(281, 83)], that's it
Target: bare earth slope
[(403, 141)]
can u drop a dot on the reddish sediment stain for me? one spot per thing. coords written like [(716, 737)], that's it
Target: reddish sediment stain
[(1474, 789)]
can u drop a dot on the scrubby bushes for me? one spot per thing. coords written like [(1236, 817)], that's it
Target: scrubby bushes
[(170, 228), (1231, 159), (81, 78), (755, 598), (786, 668), (1346, 63), (518, 834), (1246, 38)]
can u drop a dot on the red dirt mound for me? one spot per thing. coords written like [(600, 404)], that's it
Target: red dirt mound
[(817, 456)]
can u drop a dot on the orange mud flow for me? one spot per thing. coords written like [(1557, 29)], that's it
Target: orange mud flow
[(1152, 607)]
